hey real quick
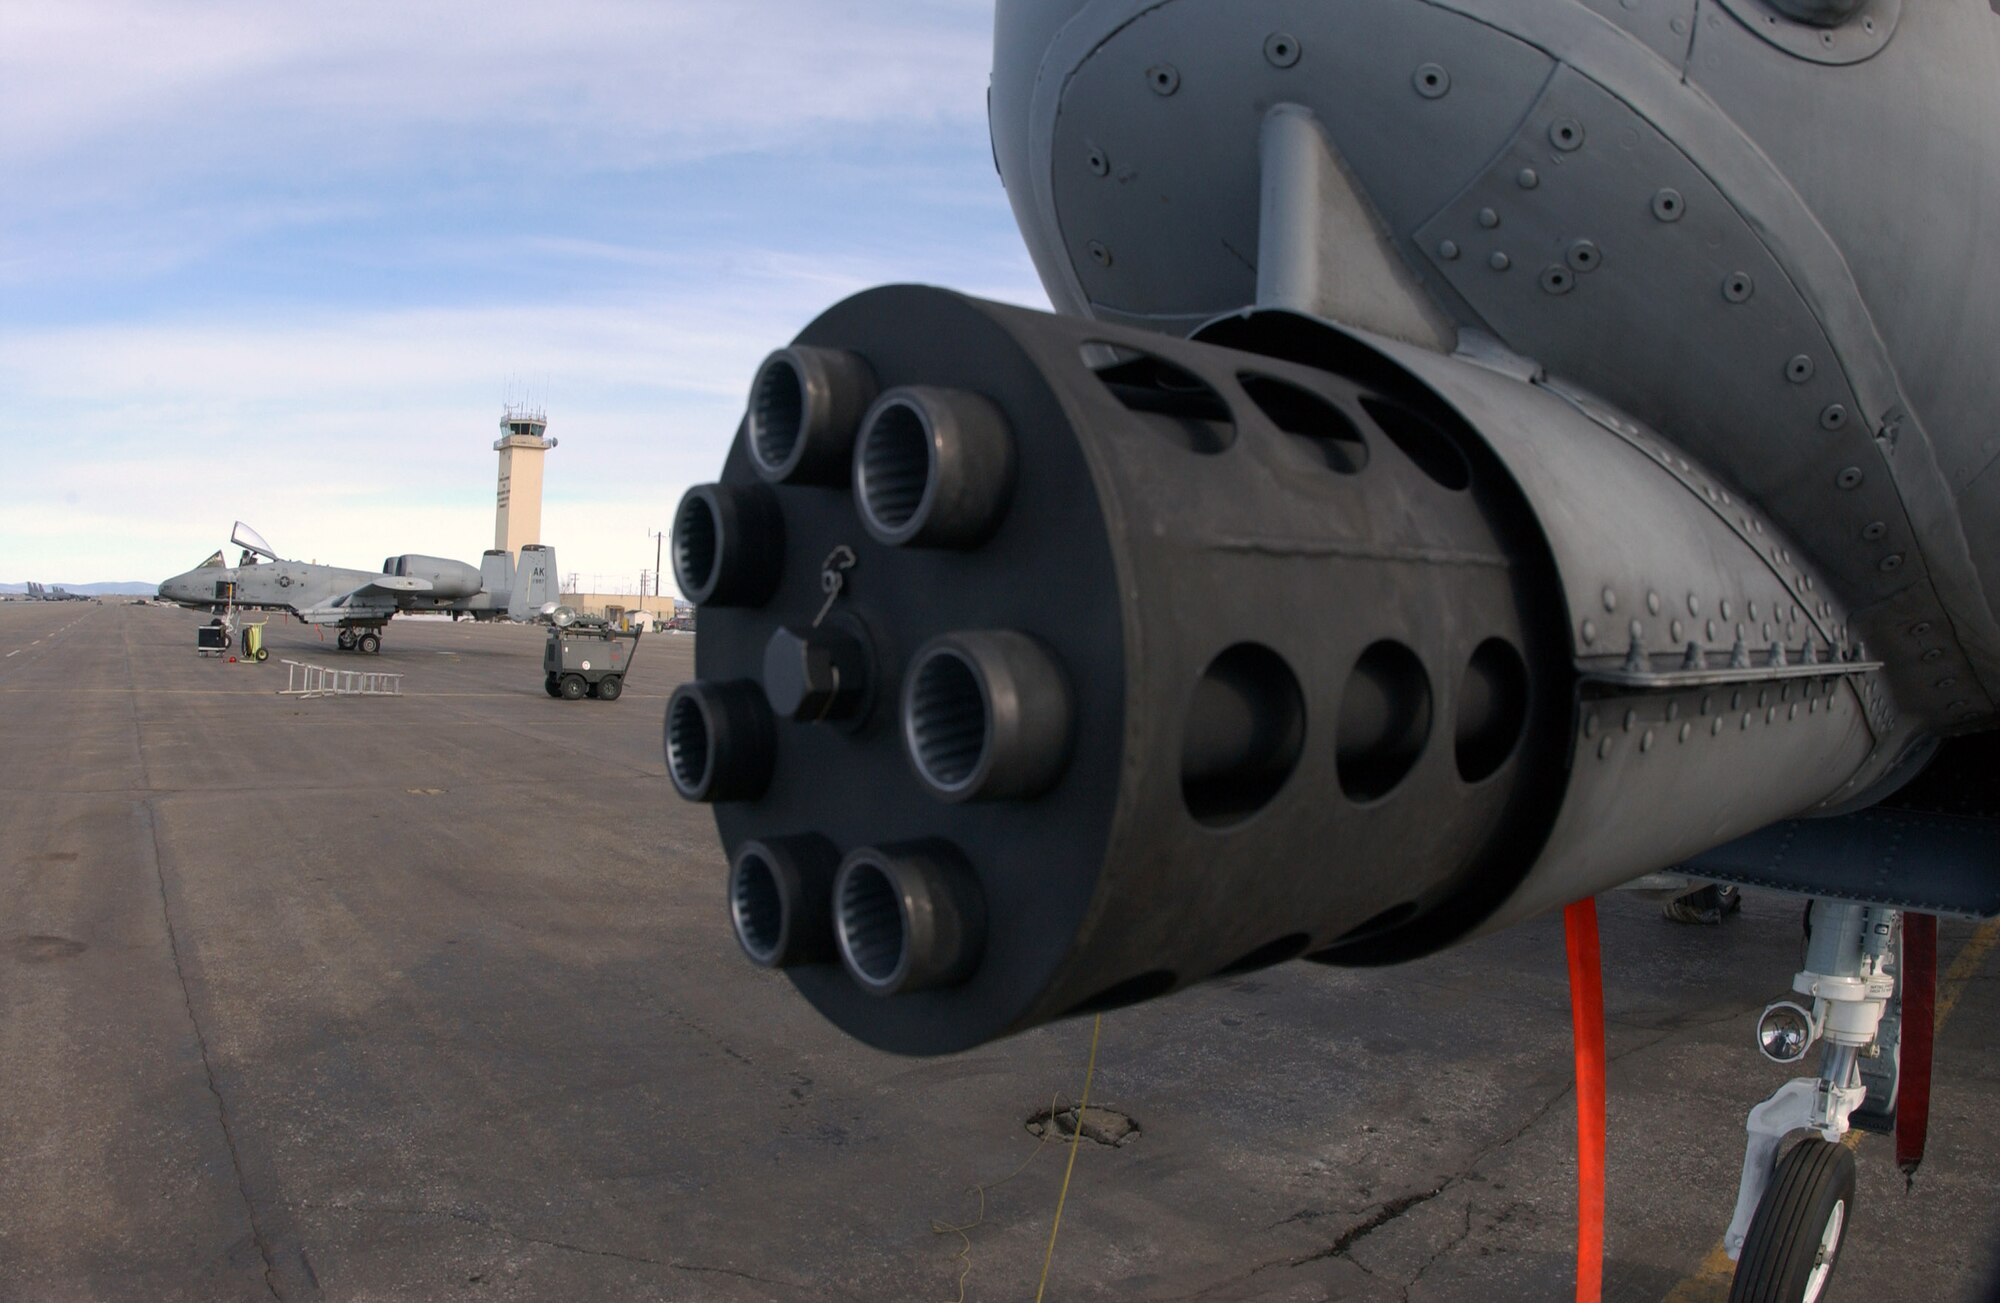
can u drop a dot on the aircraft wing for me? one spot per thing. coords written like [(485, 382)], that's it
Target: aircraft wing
[(377, 597), (383, 586)]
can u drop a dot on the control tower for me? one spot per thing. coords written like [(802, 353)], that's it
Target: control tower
[(517, 506)]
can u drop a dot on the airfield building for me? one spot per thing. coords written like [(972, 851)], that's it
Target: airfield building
[(517, 504)]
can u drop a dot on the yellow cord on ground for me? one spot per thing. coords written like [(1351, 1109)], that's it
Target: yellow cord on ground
[(1090, 1070), (941, 1227)]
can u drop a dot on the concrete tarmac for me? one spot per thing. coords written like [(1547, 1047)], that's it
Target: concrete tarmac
[(435, 997)]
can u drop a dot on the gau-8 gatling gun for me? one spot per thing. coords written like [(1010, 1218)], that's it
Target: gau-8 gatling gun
[(1486, 451)]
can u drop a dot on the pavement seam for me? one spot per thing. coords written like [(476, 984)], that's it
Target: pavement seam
[(207, 1066)]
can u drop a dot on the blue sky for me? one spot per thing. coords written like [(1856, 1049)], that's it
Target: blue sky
[(285, 263)]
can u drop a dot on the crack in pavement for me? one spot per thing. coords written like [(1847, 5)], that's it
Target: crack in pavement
[(187, 995), (492, 1227), (1463, 1235), (714, 1038), (1391, 1209), (207, 1064), (1382, 1216)]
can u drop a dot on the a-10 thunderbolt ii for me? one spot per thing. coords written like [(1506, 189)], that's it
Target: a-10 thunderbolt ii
[(41, 593), (360, 603), (1485, 451)]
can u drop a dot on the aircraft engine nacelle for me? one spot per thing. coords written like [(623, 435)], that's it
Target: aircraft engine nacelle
[(1049, 665), (449, 579)]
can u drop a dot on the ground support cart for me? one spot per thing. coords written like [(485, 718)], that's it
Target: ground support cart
[(587, 660)]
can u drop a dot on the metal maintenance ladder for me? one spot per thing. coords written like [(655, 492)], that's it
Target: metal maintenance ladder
[(303, 680)]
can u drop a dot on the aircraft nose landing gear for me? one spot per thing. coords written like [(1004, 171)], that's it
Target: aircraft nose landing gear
[(345, 641), (1792, 1215), (1795, 1237)]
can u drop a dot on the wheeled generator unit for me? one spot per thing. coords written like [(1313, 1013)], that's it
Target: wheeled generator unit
[(587, 660)]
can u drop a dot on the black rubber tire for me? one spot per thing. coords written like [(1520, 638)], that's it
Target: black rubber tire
[(345, 641), (609, 687), (1782, 1249), (369, 643), (553, 685), (573, 687), (263, 654)]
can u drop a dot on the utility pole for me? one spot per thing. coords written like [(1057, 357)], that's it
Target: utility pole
[(659, 540)]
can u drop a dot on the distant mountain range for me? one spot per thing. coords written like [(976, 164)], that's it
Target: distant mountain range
[(129, 588)]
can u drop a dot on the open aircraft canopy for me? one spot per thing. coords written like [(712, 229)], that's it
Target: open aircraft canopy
[(245, 537)]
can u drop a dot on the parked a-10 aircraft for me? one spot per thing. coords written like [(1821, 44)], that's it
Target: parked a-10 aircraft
[(1486, 451), (361, 602), (40, 593)]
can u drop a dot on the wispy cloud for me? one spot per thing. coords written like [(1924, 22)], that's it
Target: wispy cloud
[(632, 81), (338, 426), (278, 261)]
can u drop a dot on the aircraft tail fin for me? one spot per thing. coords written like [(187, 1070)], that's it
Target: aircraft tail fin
[(535, 581), (496, 571)]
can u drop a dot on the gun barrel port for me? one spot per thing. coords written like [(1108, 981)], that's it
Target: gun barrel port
[(780, 900), (718, 741), (805, 405), (933, 467), (987, 715), (729, 544), (909, 917)]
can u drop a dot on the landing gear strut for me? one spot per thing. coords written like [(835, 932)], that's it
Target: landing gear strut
[(1792, 1215), (345, 641)]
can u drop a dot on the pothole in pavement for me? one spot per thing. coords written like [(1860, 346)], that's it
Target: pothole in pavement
[(1101, 1126)]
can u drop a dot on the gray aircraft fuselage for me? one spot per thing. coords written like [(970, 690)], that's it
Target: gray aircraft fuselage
[(307, 591), (363, 599)]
